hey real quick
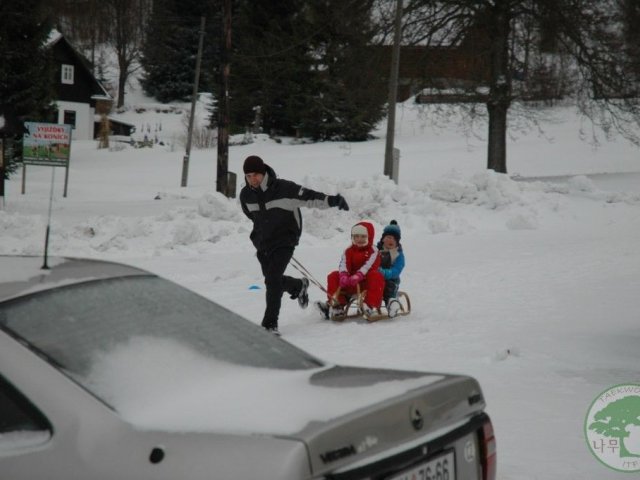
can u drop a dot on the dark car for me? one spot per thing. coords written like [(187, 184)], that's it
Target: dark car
[(110, 372)]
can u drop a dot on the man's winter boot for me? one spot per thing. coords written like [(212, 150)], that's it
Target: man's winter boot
[(303, 296), (273, 330), (271, 326), (323, 308)]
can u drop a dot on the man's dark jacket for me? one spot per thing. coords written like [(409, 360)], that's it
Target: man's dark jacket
[(274, 209)]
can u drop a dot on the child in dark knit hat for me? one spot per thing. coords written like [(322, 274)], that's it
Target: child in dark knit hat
[(391, 265)]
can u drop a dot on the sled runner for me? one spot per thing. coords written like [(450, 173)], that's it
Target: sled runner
[(354, 308)]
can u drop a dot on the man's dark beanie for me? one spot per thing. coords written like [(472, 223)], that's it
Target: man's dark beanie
[(254, 164)]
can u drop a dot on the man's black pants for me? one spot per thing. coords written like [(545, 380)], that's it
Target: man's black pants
[(273, 265)]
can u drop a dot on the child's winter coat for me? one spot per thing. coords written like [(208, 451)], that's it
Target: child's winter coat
[(358, 267), (391, 261), (391, 265)]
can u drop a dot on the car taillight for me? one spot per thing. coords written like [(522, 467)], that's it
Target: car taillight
[(488, 452)]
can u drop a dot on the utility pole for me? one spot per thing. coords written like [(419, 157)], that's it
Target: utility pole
[(393, 91), (194, 96), (222, 183), (1, 171)]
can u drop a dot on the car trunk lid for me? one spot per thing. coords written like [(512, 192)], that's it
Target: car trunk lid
[(399, 424)]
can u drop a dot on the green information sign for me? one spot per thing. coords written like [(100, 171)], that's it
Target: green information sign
[(47, 144)]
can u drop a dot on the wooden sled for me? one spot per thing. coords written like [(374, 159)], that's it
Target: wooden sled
[(353, 308)]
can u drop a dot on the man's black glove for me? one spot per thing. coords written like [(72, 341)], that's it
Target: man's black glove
[(338, 201)]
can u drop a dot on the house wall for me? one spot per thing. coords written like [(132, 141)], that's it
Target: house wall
[(435, 67), (77, 90), (84, 118), (83, 85)]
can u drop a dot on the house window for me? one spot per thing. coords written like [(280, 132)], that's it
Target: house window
[(70, 118), (67, 74)]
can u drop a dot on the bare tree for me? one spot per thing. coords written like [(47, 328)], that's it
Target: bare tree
[(126, 19), (81, 21), (584, 36)]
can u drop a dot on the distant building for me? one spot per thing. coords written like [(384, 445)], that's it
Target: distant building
[(445, 70), (80, 98)]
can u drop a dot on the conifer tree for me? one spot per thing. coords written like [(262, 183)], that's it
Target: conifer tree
[(26, 89), (349, 90), (306, 65), (270, 65), (171, 44)]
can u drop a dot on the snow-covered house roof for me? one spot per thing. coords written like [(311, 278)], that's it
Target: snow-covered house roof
[(87, 86), (54, 36)]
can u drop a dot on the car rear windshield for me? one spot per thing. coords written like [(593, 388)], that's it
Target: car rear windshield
[(69, 325)]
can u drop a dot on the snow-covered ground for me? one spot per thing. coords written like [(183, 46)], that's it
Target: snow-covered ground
[(528, 282)]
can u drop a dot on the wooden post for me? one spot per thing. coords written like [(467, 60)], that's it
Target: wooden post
[(1, 173), (393, 91), (105, 130), (223, 104)]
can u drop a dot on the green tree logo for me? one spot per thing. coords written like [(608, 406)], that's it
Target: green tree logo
[(612, 427)]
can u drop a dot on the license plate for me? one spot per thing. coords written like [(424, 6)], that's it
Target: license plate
[(442, 467)]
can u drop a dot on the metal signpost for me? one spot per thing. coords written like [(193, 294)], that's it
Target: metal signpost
[(194, 97), (1, 173), (47, 144)]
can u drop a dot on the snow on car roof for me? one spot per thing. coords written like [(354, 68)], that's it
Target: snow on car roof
[(24, 275)]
